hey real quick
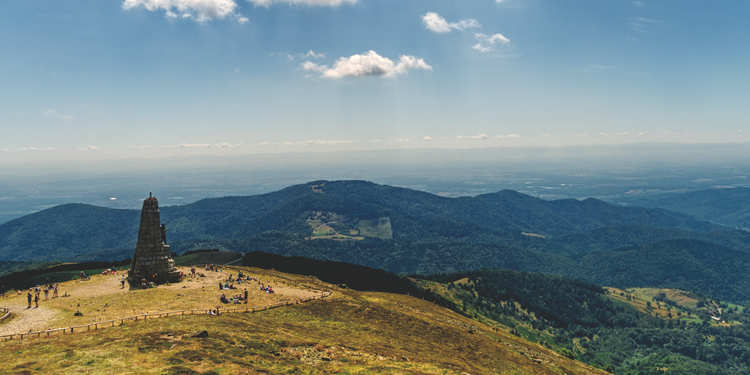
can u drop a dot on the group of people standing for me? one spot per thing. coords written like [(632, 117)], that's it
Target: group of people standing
[(34, 294)]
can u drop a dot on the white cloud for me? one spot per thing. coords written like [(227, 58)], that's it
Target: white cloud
[(199, 10), (436, 23), (367, 64), (426, 138), (486, 43), (89, 148), (320, 3)]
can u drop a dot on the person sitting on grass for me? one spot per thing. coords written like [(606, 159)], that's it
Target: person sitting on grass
[(223, 298)]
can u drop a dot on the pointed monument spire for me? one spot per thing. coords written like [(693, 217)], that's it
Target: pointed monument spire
[(152, 260)]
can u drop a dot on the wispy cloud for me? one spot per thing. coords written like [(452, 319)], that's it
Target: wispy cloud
[(308, 142), (642, 24), (54, 114), (437, 24), (508, 136), (598, 68), (89, 148), (476, 137), (369, 64), (37, 148), (196, 146), (294, 56)]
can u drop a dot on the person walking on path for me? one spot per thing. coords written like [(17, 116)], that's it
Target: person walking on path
[(36, 301), (28, 298)]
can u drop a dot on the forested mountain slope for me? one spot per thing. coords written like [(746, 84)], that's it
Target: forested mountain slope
[(728, 206), (76, 229), (412, 232)]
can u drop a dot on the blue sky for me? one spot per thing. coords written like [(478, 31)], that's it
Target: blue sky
[(97, 79)]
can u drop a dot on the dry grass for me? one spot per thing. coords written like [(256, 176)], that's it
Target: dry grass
[(350, 333), (101, 298), (640, 298)]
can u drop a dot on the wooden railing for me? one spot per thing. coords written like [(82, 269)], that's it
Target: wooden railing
[(143, 317), (4, 313)]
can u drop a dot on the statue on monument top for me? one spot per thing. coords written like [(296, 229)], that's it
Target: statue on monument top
[(152, 261)]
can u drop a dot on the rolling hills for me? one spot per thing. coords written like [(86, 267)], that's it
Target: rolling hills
[(412, 232), (727, 206), (79, 230)]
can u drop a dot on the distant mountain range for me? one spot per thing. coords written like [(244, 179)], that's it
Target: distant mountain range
[(728, 206), (408, 231)]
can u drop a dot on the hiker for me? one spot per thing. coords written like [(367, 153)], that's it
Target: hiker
[(122, 282), (28, 298), (46, 292), (54, 292), (36, 301), (246, 296)]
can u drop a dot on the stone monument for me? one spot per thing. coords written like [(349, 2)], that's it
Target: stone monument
[(152, 260)]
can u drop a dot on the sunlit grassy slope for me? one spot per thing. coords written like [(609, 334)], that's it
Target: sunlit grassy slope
[(350, 332)]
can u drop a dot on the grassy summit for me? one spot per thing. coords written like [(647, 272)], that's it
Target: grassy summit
[(349, 332)]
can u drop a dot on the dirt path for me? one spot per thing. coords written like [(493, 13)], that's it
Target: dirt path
[(102, 298), (25, 320)]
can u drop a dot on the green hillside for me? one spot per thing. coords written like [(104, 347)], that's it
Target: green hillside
[(588, 323)]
